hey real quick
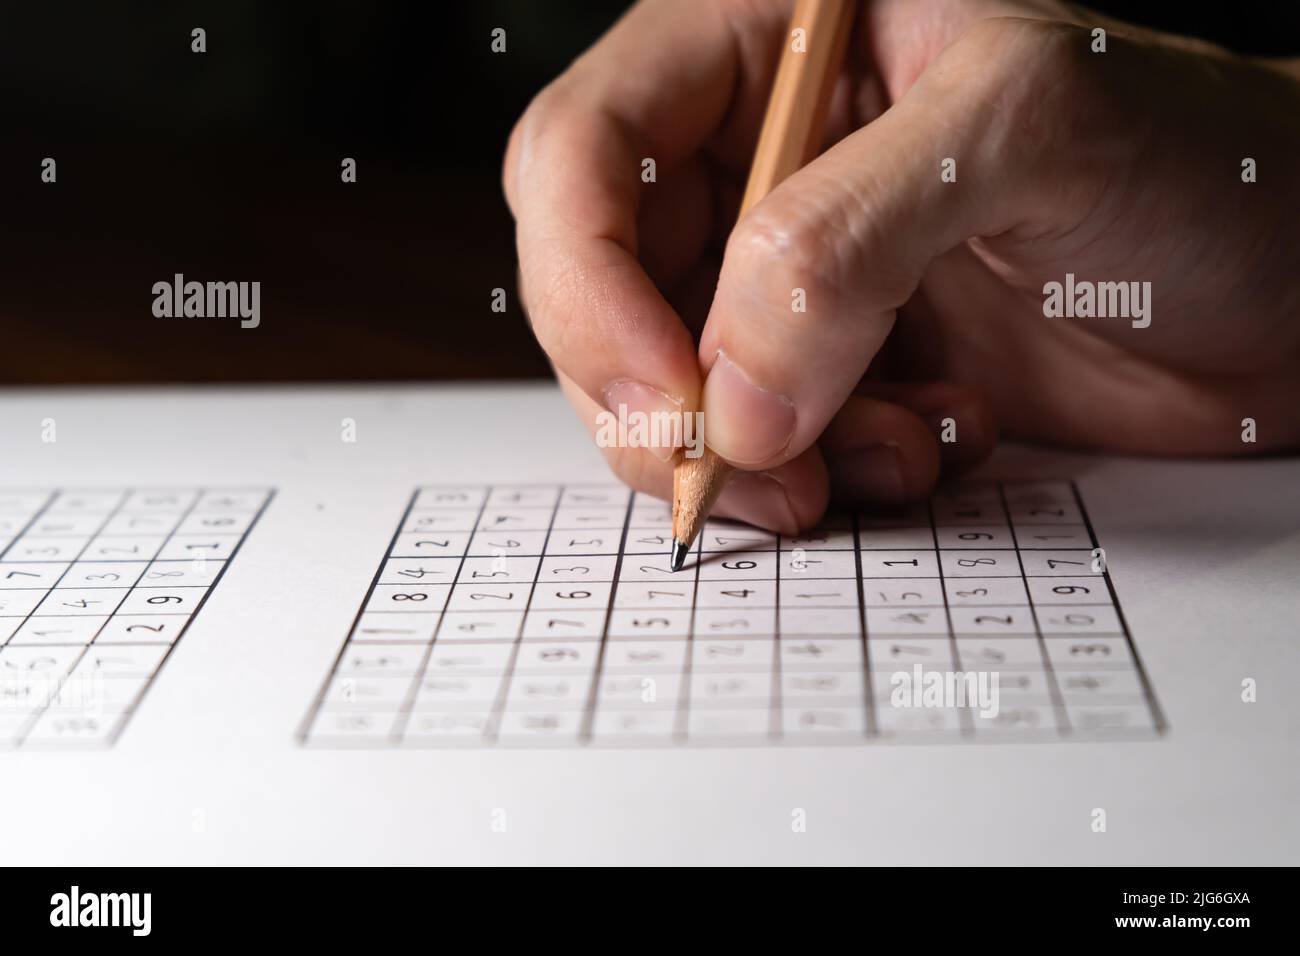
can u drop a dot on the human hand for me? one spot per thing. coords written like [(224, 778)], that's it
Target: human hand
[(924, 297)]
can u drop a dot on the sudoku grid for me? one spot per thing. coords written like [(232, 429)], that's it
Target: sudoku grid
[(96, 588), (548, 614)]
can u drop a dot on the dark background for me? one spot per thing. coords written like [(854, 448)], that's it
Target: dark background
[(225, 166)]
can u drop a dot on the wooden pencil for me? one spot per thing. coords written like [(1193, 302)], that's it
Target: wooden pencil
[(792, 129)]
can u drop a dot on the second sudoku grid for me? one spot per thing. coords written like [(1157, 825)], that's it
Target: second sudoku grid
[(95, 588), (545, 613)]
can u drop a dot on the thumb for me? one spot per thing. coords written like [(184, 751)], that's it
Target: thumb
[(813, 275)]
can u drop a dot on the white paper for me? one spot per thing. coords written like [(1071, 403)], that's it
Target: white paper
[(211, 766)]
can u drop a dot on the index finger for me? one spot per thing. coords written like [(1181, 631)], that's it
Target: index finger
[(655, 87)]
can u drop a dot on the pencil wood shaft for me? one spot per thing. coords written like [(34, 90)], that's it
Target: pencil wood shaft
[(791, 132), (695, 489), (801, 95)]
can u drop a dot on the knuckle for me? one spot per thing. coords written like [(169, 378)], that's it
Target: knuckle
[(516, 145), (986, 36), (996, 37), (1026, 74), (510, 164), (540, 115), (1031, 57), (553, 99), (778, 251)]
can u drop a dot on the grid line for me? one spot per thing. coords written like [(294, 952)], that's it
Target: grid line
[(1057, 700)]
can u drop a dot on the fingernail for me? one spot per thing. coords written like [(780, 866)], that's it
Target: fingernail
[(643, 417), (875, 473), (744, 422), (759, 499)]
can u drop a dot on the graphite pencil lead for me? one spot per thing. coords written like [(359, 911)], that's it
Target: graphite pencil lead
[(680, 550)]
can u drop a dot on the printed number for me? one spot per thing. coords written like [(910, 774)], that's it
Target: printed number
[(417, 572), (1075, 620), (1089, 650)]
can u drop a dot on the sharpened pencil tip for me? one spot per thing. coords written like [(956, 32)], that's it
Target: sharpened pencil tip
[(680, 550)]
